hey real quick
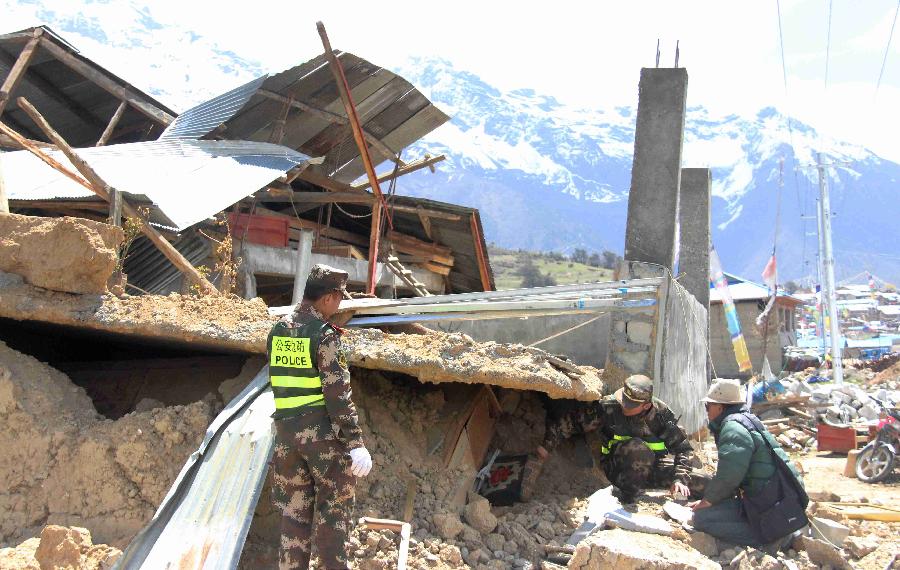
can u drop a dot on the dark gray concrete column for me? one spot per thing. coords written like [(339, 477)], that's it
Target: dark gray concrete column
[(656, 172), (694, 218)]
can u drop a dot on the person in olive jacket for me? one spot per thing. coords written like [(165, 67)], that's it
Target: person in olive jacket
[(745, 465)]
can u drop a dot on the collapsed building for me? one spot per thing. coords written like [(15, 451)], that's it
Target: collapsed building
[(106, 395)]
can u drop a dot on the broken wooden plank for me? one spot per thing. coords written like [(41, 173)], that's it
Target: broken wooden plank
[(414, 246), (400, 527), (411, 488), (427, 162)]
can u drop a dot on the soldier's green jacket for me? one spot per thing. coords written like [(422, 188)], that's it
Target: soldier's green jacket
[(656, 424), (745, 461), (338, 419)]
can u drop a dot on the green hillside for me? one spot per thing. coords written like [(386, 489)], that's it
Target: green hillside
[(551, 268)]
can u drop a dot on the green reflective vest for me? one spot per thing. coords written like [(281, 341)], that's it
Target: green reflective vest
[(293, 367), (606, 449)]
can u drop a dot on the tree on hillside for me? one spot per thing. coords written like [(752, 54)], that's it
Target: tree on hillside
[(594, 260), (532, 276), (610, 259), (580, 256)]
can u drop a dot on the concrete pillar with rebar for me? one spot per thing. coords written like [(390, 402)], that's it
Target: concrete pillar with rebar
[(650, 233)]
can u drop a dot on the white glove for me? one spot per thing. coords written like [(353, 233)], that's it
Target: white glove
[(362, 461)]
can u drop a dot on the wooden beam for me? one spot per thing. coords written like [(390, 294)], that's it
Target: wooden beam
[(92, 205), (319, 197), (93, 182), (108, 131), (18, 69), (101, 80), (375, 234), (483, 269), (8, 142), (333, 118), (406, 169), (414, 246), (426, 222), (323, 181), (427, 212)]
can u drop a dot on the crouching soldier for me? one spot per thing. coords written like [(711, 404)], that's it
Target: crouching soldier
[(637, 434), (319, 449)]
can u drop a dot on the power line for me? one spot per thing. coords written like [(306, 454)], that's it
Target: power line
[(828, 42), (888, 48)]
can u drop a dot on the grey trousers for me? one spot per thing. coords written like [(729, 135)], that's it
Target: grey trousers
[(727, 522)]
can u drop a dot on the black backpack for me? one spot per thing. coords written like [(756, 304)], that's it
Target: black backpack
[(779, 508)]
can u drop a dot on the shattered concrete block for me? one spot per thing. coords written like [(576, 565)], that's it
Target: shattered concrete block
[(626, 550), (860, 546), (73, 255), (822, 553), (869, 412), (829, 530)]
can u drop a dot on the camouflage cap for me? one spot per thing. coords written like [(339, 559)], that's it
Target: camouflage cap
[(638, 389), (324, 279)]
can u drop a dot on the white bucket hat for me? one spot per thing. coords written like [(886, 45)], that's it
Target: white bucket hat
[(724, 391)]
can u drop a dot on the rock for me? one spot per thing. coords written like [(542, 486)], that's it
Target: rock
[(860, 546), (61, 547), (478, 515), (705, 544), (829, 531), (824, 496), (451, 555), (447, 525), (495, 542), (822, 553), (768, 563), (626, 550)]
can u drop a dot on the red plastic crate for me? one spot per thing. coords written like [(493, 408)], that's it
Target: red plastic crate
[(263, 230)]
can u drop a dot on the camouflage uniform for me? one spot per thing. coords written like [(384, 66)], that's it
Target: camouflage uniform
[(629, 463), (311, 462)]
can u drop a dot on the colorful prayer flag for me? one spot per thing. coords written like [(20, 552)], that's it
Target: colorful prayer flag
[(717, 277)]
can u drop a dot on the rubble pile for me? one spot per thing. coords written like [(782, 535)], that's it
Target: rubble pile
[(65, 464)]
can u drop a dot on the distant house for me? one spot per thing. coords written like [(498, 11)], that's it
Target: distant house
[(750, 300)]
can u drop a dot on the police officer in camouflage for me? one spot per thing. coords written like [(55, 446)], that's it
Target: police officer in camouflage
[(319, 449), (636, 433)]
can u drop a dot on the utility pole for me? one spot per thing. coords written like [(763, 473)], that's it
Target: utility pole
[(820, 273), (826, 253)]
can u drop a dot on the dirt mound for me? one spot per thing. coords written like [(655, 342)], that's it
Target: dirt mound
[(63, 254), (60, 548), (889, 374), (64, 464)]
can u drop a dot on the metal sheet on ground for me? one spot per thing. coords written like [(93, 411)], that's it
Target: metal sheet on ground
[(204, 519)]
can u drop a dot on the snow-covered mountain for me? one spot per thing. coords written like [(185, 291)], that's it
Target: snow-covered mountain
[(547, 176)]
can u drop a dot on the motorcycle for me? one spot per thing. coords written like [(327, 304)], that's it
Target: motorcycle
[(876, 460)]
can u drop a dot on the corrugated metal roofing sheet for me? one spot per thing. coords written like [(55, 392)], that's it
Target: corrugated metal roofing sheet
[(204, 519), (202, 119), (389, 107), (188, 180)]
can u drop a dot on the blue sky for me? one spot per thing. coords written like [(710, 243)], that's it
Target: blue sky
[(584, 53)]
